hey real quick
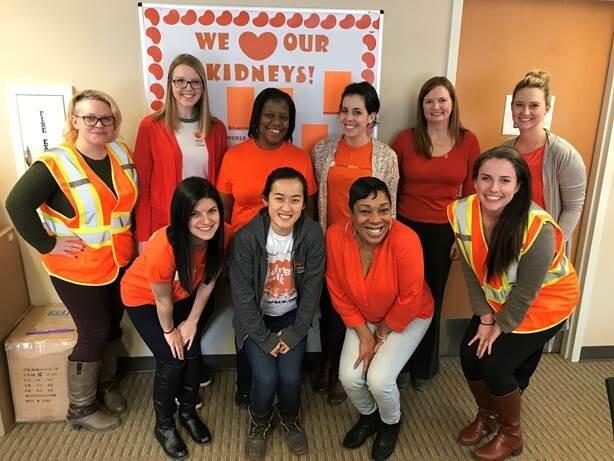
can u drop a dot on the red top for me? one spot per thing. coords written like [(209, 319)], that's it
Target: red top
[(535, 161), (159, 167), (156, 264), (427, 186), (394, 289), (349, 164), (245, 169)]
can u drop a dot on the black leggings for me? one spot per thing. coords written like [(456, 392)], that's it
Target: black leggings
[(436, 240), (509, 352), (97, 312), (145, 320), (332, 331)]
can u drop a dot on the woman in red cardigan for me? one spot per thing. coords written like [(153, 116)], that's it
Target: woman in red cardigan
[(180, 140)]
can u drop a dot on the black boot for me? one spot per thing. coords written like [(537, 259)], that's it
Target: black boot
[(362, 430), (167, 383), (188, 399), (385, 440)]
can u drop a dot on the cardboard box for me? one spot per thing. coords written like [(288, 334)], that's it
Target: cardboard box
[(14, 305), (37, 351)]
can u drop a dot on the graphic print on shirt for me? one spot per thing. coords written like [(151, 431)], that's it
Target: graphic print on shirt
[(279, 294)]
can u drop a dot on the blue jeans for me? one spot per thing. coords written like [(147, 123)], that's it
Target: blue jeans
[(279, 375)]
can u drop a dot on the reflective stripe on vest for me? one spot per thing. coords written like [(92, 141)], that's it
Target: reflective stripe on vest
[(464, 214)]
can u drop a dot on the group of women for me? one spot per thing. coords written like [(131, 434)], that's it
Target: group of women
[(305, 232)]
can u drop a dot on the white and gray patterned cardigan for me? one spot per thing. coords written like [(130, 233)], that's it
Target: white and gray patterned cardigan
[(384, 165)]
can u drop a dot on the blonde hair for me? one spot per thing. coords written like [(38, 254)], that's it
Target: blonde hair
[(169, 112), (70, 132), (535, 79)]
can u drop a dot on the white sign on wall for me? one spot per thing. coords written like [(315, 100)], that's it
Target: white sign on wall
[(509, 127), (310, 54), (37, 116)]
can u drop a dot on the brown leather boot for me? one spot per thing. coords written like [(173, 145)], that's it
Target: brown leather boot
[(508, 440), (107, 391), (296, 438), (83, 410), (485, 422), (257, 433)]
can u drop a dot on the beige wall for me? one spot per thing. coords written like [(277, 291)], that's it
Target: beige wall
[(96, 45)]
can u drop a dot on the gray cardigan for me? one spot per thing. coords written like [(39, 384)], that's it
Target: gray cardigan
[(248, 270), (384, 165), (564, 176)]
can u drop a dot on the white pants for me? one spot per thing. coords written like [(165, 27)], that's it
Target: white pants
[(379, 389)]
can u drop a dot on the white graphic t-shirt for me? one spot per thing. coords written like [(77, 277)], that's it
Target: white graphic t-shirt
[(279, 294)]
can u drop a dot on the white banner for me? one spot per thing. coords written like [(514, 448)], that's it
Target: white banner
[(310, 54)]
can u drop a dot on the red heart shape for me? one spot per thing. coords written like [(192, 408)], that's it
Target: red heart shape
[(172, 17), (207, 18), (261, 20), (155, 53), (153, 16), (295, 21), (329, 22), (364, 22), (241, 19), (154, 34), (189, 18), (376, 24), (368, 75), (156, 70), (157, 90), (369, 41), (157, 105), (224, 19), (368, 59), (312, 21), (347, 22), (278, 20), (258, 47)]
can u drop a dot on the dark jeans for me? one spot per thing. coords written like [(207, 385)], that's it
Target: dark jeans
[(97, 312), (145, 320), (332, 331), (509, 353), (436, 240), (279, 375)]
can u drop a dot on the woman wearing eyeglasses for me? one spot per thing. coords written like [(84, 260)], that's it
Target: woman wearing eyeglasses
[(84, 191), (180, 140)]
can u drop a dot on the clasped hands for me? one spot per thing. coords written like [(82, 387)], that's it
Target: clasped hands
[(281, 347), (369, 343), (181, 335)]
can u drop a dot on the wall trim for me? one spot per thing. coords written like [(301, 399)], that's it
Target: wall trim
[(597, 353), (454, 46)]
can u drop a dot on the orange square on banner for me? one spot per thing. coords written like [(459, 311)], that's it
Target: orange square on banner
[(334, 84), (239, 102), (311, 133), (288, 91)]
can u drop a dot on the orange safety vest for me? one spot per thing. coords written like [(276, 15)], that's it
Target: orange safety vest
[(102, 220), (559, 292)]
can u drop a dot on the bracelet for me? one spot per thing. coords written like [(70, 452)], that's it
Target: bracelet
[(169, 331), (488, 324), (381, 339)]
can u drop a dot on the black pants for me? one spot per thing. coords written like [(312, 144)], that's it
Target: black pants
[(510, 352), (436, 240), (332, 331), (97, 312), (145, 320)]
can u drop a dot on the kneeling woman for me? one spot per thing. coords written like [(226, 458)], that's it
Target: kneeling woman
[(276, 277), (521, 285), (165, 291), (375, 275)]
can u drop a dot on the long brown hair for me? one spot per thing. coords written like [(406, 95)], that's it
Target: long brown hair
[(506, 239), (422, 140), (169, 112)]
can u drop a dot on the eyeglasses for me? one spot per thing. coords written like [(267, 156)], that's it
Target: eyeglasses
[(91, 120), (181, 83)]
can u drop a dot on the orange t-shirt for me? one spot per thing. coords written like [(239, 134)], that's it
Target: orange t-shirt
[(535, 161), (244, 171), (156, 264), (427, 186), (394, 289), (349, 164)]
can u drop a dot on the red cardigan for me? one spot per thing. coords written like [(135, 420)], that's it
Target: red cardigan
[(159, 168)]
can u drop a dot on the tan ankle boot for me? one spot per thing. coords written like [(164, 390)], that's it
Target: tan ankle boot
[(83, 410), (113, 401)]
